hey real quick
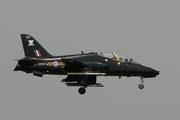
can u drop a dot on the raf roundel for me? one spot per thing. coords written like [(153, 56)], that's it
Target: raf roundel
[(55, 63)]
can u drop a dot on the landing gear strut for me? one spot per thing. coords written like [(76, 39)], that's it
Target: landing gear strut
[(82, 90), (82, 82), (141, 86)]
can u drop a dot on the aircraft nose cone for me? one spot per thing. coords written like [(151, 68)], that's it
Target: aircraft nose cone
[(154, 72), (149, 72), (157, 72)]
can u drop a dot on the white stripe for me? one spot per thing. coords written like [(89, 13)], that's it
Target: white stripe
[(71, 73)]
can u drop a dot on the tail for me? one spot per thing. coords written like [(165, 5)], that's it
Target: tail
[(32, 48)]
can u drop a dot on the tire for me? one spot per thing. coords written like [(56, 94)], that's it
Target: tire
[(82, 90), (141, 86)]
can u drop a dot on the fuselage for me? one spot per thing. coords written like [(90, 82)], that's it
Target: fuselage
[(89, 62)]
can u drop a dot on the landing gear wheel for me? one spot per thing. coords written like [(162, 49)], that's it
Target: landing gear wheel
[(141, 86), (82, 90)]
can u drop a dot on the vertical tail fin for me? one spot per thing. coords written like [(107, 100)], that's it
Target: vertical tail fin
[(32, 48)]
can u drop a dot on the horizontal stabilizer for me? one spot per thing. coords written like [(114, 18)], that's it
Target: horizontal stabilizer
[(16, 68)]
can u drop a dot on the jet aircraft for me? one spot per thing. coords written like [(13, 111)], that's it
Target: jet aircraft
[(81, 69)]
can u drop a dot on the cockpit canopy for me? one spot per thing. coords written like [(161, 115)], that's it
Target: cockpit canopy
[(118, 57)]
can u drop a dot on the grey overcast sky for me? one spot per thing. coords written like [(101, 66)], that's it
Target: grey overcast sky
[(146, 30)]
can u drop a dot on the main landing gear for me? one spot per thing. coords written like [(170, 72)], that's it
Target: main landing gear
[(141, 86), (82, 90), (83, 82)]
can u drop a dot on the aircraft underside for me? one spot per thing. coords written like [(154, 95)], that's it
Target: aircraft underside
[(82, 79)]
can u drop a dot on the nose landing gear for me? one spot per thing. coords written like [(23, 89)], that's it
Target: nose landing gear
[(141, 86)]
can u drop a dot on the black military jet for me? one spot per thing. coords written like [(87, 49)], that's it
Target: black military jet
[(81, 69)]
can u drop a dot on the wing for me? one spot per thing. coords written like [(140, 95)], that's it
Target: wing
[(76, 67), (72, 65)]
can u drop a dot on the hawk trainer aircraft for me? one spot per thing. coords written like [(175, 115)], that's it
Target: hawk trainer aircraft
[(81, 69)]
